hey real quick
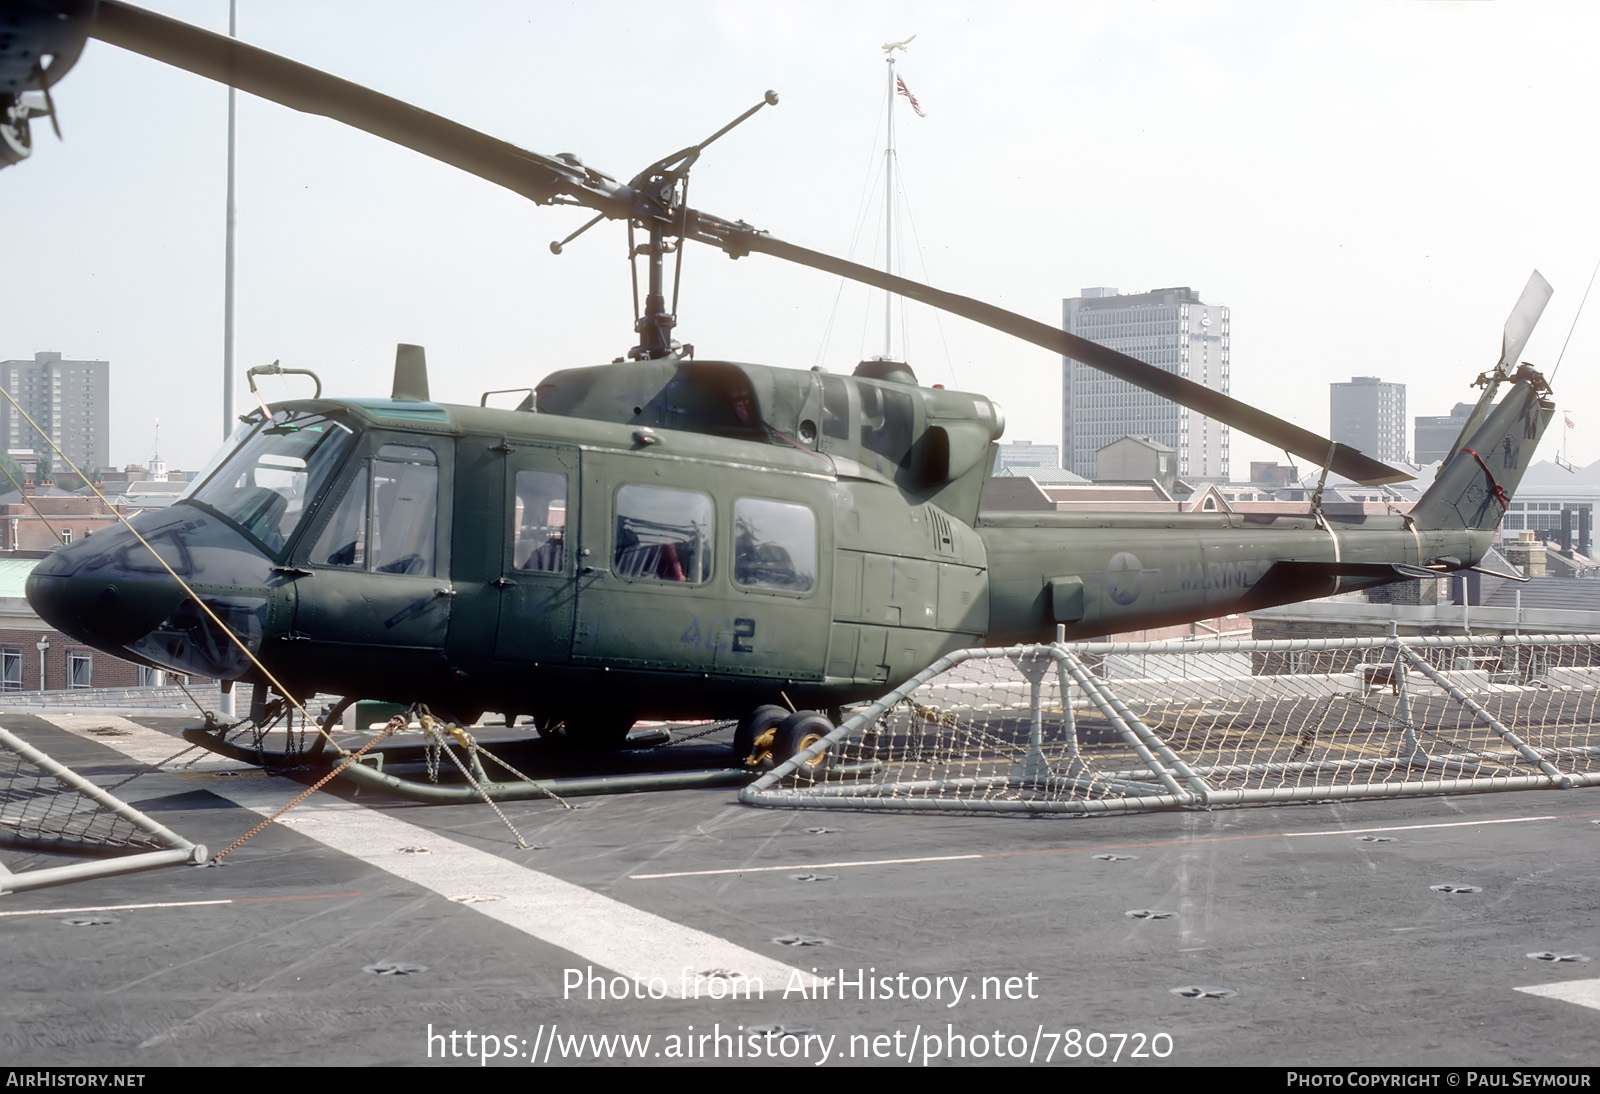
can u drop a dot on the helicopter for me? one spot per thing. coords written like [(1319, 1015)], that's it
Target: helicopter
[(666, 536)]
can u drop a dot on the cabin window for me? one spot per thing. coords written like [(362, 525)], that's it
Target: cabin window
[(400, 490), (774, 545), (663, 535), (541, 521)]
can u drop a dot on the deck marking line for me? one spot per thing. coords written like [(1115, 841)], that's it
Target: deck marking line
[(633, 943), (1415, 827), (1585, 993), (807, 866), (117, 907), (179, 904), (1099, 848)]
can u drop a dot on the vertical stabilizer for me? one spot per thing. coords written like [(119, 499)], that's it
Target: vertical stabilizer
[(1475, 485)]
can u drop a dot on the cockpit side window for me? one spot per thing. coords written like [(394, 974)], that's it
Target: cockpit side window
[(267, 481), (387, 521), (405, 509), (344, 541)]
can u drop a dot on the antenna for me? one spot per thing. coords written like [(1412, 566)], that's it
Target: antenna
[(1574, 325)]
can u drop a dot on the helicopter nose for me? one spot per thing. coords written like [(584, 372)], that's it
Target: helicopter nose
[(108, 592), (83, 591)]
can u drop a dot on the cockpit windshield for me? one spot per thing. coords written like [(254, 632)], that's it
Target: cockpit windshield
[(270, 475)]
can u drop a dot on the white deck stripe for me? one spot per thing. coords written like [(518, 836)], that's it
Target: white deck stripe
[(1423, 827), (1585, 993), (804, 866), (137, 742), (116, 908), (179, 904), (616, 936), (1087, 849)]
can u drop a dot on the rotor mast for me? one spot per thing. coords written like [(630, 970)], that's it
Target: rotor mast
[(663, 206)]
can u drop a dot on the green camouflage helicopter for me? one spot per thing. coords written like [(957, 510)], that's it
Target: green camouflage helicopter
[(670, 537)]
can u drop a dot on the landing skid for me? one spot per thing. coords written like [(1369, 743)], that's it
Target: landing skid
[(449, 765)]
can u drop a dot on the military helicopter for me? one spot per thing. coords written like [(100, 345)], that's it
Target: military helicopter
[(670, 537)]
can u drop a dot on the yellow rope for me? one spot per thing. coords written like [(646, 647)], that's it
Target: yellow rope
[(310, 790), (273, 680)]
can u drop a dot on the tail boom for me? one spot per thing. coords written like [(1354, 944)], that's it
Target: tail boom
[(1105, 573)]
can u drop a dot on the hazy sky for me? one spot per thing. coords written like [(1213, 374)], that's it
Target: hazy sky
[(1366, 186)]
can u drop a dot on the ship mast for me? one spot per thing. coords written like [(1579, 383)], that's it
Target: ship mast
[(888, 194), (888, 210)]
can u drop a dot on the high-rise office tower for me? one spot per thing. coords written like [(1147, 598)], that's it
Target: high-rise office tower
[(70, 400), (1172, 329), (1370, 415)]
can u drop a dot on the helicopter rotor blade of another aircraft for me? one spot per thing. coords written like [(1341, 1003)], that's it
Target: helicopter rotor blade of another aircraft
[(545, 179), (1340, 458)]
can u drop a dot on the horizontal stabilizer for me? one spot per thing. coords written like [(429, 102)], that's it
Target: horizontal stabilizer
[(1386, 571)]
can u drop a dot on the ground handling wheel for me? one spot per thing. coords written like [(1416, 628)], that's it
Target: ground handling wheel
[(798, 732), (753, 740)]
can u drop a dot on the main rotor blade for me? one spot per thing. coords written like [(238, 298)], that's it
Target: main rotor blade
[(1339, 458), (542, 179), (1524, 317)]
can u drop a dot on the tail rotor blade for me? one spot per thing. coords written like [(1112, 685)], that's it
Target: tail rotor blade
[(1524, 317)]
